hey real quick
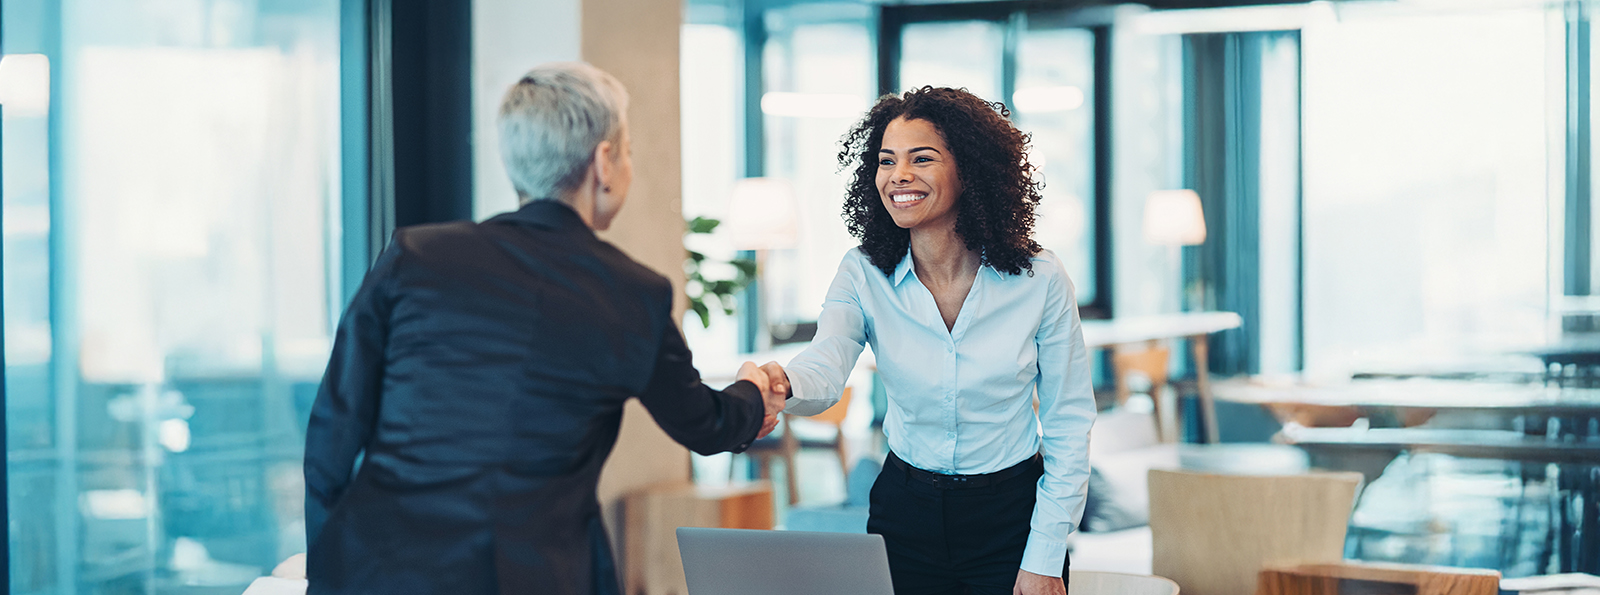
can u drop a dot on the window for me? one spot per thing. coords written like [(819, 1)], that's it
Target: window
[(171, 276), (1243, 149), (712, 89), (818, 81), (1045, 71), (1426, 201)]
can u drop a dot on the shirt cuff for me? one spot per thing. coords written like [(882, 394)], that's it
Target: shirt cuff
[(1044, 556)]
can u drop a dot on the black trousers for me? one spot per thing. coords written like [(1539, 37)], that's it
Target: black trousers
[(954, 541)]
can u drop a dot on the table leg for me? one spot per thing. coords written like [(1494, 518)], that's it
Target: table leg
[(1202, 375)]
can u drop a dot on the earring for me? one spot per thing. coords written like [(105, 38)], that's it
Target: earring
[(605, 189)]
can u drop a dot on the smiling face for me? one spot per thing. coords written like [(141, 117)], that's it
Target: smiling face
[(917, 178)]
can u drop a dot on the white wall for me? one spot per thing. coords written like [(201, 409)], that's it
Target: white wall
[(509, 37)]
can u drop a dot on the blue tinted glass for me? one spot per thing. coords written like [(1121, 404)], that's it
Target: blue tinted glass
[(1054, 102), (170, 242)]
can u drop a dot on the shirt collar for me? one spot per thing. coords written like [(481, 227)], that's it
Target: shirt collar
[(547, 213), (903, 270)]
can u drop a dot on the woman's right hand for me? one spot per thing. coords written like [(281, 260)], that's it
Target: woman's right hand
[(778, 378)]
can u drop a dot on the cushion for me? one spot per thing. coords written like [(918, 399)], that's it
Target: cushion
[(1119, 487), (1121, 430)]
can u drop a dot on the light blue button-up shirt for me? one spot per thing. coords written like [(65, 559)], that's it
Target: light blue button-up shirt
[(961, 400)]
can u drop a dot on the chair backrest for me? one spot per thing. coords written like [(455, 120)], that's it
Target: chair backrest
[(834, 415), (1213, 533), (1087, 582), (1151, 362)]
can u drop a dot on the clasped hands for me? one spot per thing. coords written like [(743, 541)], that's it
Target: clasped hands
[(774, 385)]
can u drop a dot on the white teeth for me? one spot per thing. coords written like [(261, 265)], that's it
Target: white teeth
[(908, 197)]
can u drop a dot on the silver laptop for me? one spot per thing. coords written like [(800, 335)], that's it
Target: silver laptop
[(741, 562)]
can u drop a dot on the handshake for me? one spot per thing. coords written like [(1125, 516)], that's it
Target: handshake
[(774, 385)]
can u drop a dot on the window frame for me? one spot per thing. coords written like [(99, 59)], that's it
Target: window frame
[(892, 21)]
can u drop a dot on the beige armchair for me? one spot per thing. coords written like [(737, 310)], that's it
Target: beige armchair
[(1213, 534)]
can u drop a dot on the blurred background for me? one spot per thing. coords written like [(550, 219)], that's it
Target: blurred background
[(1352, 235)]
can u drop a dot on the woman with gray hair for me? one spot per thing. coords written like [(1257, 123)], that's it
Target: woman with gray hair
[(482, 369)]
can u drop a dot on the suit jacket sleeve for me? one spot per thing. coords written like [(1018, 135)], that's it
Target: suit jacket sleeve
[(346, 408), (707, 421)]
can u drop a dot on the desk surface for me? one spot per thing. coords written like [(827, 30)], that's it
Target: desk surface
[(1485, 444), (1417, 394)]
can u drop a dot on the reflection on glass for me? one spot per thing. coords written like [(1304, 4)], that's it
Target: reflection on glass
[(711, 90), (1054, 101), (169, 289), (829, 64), (953, 54)]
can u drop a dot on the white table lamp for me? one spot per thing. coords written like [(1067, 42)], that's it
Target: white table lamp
[(1174, 218), (762, 215)]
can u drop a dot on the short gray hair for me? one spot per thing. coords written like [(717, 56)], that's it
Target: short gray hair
[(550, 123)]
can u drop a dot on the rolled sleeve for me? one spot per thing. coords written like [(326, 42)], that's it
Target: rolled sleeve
[(1066, 413)]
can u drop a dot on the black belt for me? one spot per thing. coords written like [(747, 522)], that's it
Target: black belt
[(958, 482)]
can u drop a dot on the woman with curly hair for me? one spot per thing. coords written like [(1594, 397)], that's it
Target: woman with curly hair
[(968, 319)]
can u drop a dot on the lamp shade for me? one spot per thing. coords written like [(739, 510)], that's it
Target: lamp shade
[(762, 215), (1174, 218)]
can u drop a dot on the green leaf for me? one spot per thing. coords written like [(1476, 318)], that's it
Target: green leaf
[(700, 308), (746, 266), (703, 225)]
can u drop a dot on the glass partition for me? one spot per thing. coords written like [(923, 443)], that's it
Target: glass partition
[(819, 79), (171, 230), (1427, 155), (1054, 102)]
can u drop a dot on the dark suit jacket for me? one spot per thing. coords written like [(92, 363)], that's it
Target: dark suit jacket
[(482, 370)]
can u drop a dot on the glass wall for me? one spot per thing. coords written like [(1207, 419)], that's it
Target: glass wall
[(712, 92), (1051, 98), (1426, 182), (961, 54), (171, 233), (818, 80), (1054, 102)]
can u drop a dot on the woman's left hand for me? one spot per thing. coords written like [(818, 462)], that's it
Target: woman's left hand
[(1029, 583)]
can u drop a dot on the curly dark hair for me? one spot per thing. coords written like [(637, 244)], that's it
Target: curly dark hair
[(994, 214)]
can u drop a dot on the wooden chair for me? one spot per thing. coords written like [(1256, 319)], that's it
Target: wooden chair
[(1347, 577), (1151, 361), (786, 445), (1212, 534), (1089, 582)]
